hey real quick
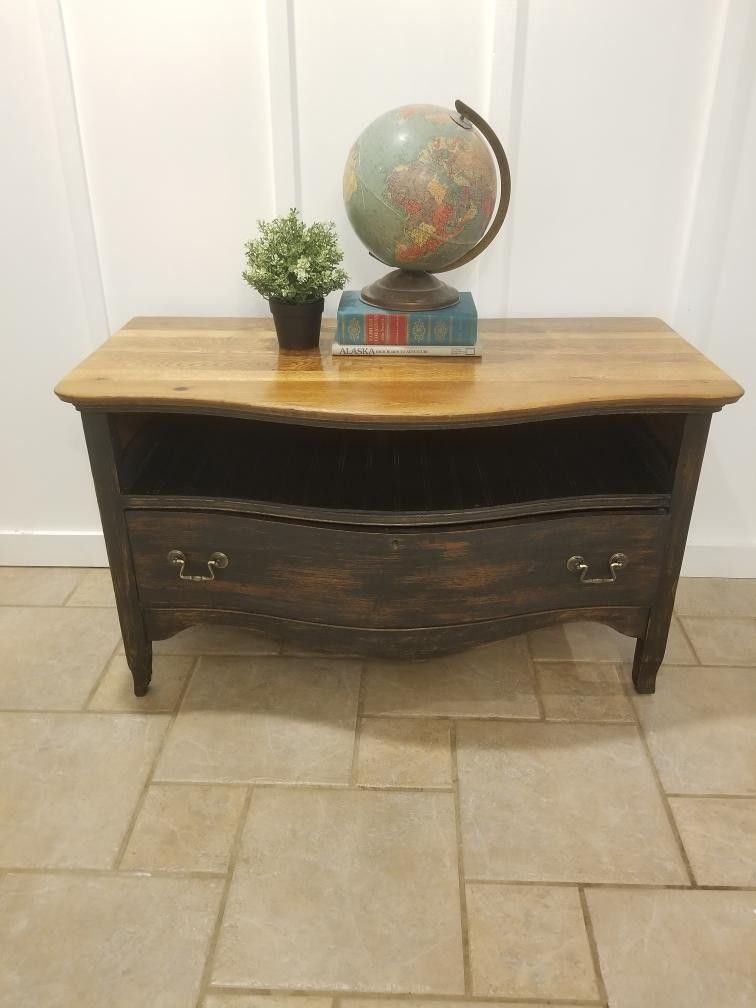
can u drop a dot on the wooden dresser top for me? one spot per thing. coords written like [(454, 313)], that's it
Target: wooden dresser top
[(529, 367)]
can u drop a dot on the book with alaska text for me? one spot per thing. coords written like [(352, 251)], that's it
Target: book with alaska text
[(360, 324), (405, 351)]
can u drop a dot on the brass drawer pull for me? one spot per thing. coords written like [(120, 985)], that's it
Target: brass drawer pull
[(217, 561), (616, 562)]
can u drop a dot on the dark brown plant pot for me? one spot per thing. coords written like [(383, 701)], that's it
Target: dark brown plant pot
[(297, 325)]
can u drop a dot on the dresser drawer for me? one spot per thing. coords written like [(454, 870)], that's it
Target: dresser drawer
[(370, 577)]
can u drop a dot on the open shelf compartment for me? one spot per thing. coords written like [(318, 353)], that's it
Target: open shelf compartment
[(589, 461)]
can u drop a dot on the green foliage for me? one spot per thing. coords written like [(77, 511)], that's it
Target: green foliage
[(294, 262)]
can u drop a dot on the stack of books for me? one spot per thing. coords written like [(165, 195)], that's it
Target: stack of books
[(365, 331)]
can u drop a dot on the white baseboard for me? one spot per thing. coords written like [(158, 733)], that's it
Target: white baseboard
[(52, 549), (719, 560), (87, 549)]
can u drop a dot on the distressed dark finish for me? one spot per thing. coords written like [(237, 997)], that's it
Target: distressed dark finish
[(400, 511), (404, 578), (413, 642), (649, 651), (136, 643)]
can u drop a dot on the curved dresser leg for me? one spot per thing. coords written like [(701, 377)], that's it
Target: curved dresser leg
[(139, 660)]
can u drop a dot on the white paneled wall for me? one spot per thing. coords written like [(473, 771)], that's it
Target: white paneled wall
[(614, 96), (724, 520), (173, 105), (349, 70), (145, 139), (44, 325)]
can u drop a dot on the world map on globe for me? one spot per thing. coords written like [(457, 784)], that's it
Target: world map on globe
[(419, 188)]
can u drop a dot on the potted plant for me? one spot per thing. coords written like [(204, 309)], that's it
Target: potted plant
[(294, 266)]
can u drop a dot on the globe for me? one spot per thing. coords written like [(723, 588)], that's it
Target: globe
[(419, 188)]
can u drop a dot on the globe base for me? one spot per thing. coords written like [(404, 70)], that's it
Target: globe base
[(409, 290)]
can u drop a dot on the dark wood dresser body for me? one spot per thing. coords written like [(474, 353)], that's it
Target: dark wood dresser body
[(398, 508)]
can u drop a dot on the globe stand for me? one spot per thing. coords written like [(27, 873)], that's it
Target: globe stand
[(409, 290)]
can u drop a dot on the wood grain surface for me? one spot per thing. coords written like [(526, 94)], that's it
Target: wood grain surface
[(529, 368), (400, 578)]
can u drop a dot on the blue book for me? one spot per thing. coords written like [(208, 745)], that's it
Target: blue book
[(360, 324)]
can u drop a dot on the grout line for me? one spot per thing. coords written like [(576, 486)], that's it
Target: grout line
[(358, 725), (667, 807), (90, 605), (466, 958), (193, 667), (408, 997), (100, 677), (294, 785), (60, 605), (532, 665), (205, 783), (150, 775), (675, 886), (449, 719), (686, 637), (495, 719), (213, 654), (196, 873), (212, 944), (606, 722), (626, 686), (320, 655), (153, 711), (587, 660), (593, 945), (715, 619), (708, 794), (82, 575), (397, 715), (252, 782), (442, 718), (71, 711), (406, 788), (89, 712)]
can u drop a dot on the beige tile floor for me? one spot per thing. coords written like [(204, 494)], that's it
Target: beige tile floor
[(272, 829)]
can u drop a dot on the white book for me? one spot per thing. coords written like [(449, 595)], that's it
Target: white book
[(394, 350)]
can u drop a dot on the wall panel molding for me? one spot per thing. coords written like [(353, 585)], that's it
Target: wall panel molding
[(509, 25), (723, 129), (63, 100), (284, 111)]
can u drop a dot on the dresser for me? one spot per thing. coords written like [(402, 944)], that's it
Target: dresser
[(400, 506)]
